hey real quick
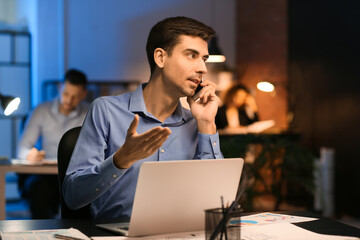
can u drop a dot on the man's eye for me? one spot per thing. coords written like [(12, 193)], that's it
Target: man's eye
[(192, 55)]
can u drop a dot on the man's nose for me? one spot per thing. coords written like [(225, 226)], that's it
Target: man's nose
[(201, 67)]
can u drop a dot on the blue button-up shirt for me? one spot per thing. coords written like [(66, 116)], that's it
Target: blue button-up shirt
[(92, 176)]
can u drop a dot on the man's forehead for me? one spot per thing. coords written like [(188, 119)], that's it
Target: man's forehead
[(192, 42), (187, 38)]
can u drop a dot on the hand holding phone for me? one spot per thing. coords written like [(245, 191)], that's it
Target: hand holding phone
[(195, 97)]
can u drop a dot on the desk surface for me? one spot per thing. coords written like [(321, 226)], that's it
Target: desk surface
[(87, 226), (325, 225), (32, 169)]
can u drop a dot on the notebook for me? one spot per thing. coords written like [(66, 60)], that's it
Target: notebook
[(171, 196)]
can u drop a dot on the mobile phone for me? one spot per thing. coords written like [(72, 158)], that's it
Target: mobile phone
[(195, 97)]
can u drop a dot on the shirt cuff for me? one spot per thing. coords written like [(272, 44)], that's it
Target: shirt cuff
[(23, 152), (209, 146), (110, 173)]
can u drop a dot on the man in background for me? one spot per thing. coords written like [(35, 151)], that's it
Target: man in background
[(41, 136)]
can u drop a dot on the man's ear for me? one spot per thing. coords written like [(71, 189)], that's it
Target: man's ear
[(159, 57)]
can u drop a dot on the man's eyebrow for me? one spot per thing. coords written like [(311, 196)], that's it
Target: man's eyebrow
[(196, 52), (192, 50)]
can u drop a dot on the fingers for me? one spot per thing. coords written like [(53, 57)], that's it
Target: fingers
[(146, 136), (164, 134), (250, 101), (35, 155), (206, 93), (154, 138), (139, 146), (33, 150), (155, 143), (150, 135), (133, 125), (42, 154)]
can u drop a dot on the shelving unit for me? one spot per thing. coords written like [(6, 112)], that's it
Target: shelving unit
[(15, 80), (15, 77)]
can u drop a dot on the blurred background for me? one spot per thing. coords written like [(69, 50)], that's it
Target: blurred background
[(308, 50)]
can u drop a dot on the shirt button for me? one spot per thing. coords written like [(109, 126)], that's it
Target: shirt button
[(114, 175), (214, 143), (162, 150), (96, 189)]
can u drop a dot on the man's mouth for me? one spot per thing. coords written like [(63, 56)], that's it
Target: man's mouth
[(195, 80)]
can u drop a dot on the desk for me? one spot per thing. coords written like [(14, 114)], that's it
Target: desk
[(31, 169), (87, 226)]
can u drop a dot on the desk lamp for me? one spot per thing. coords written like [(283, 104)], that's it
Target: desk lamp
[(265, 86), (9, 104)]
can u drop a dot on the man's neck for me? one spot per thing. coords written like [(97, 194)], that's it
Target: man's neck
[(159, 101)]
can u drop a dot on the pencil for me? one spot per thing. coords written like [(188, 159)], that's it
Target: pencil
[(60, 236)]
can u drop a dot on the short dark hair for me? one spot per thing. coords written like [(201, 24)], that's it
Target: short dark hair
[(75, 77), (165, 34)]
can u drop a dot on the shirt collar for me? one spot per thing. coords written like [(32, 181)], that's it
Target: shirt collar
[(137, 105)]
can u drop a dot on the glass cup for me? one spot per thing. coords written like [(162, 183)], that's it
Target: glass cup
[(225, 229)]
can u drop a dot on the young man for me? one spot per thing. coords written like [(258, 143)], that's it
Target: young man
[(48, 122), (149, 124)]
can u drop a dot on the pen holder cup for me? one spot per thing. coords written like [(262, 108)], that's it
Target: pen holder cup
[(229, 230)]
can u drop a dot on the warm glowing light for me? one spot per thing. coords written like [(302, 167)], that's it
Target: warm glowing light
[(265, 86), (216, 58), (13, 105)]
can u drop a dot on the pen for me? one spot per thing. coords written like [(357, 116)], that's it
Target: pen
[(226, 217), (59, 236)]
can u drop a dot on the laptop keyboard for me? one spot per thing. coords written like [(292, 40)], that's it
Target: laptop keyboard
[(123, 228)]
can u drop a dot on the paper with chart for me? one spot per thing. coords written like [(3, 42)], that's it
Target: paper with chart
[(279, 231), (284, 231), (269, 218)]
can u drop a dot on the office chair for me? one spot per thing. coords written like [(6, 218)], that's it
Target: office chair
[(65, 150)]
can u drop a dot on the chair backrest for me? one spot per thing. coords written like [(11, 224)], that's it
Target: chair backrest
[(65, 150)]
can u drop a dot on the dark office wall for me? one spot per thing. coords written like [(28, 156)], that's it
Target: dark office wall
[(324, 79), (261, 52)]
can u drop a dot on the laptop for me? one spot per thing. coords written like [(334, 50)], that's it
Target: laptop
[(171, 196)]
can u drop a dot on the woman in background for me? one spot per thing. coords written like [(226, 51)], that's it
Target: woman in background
[(239, 109)]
